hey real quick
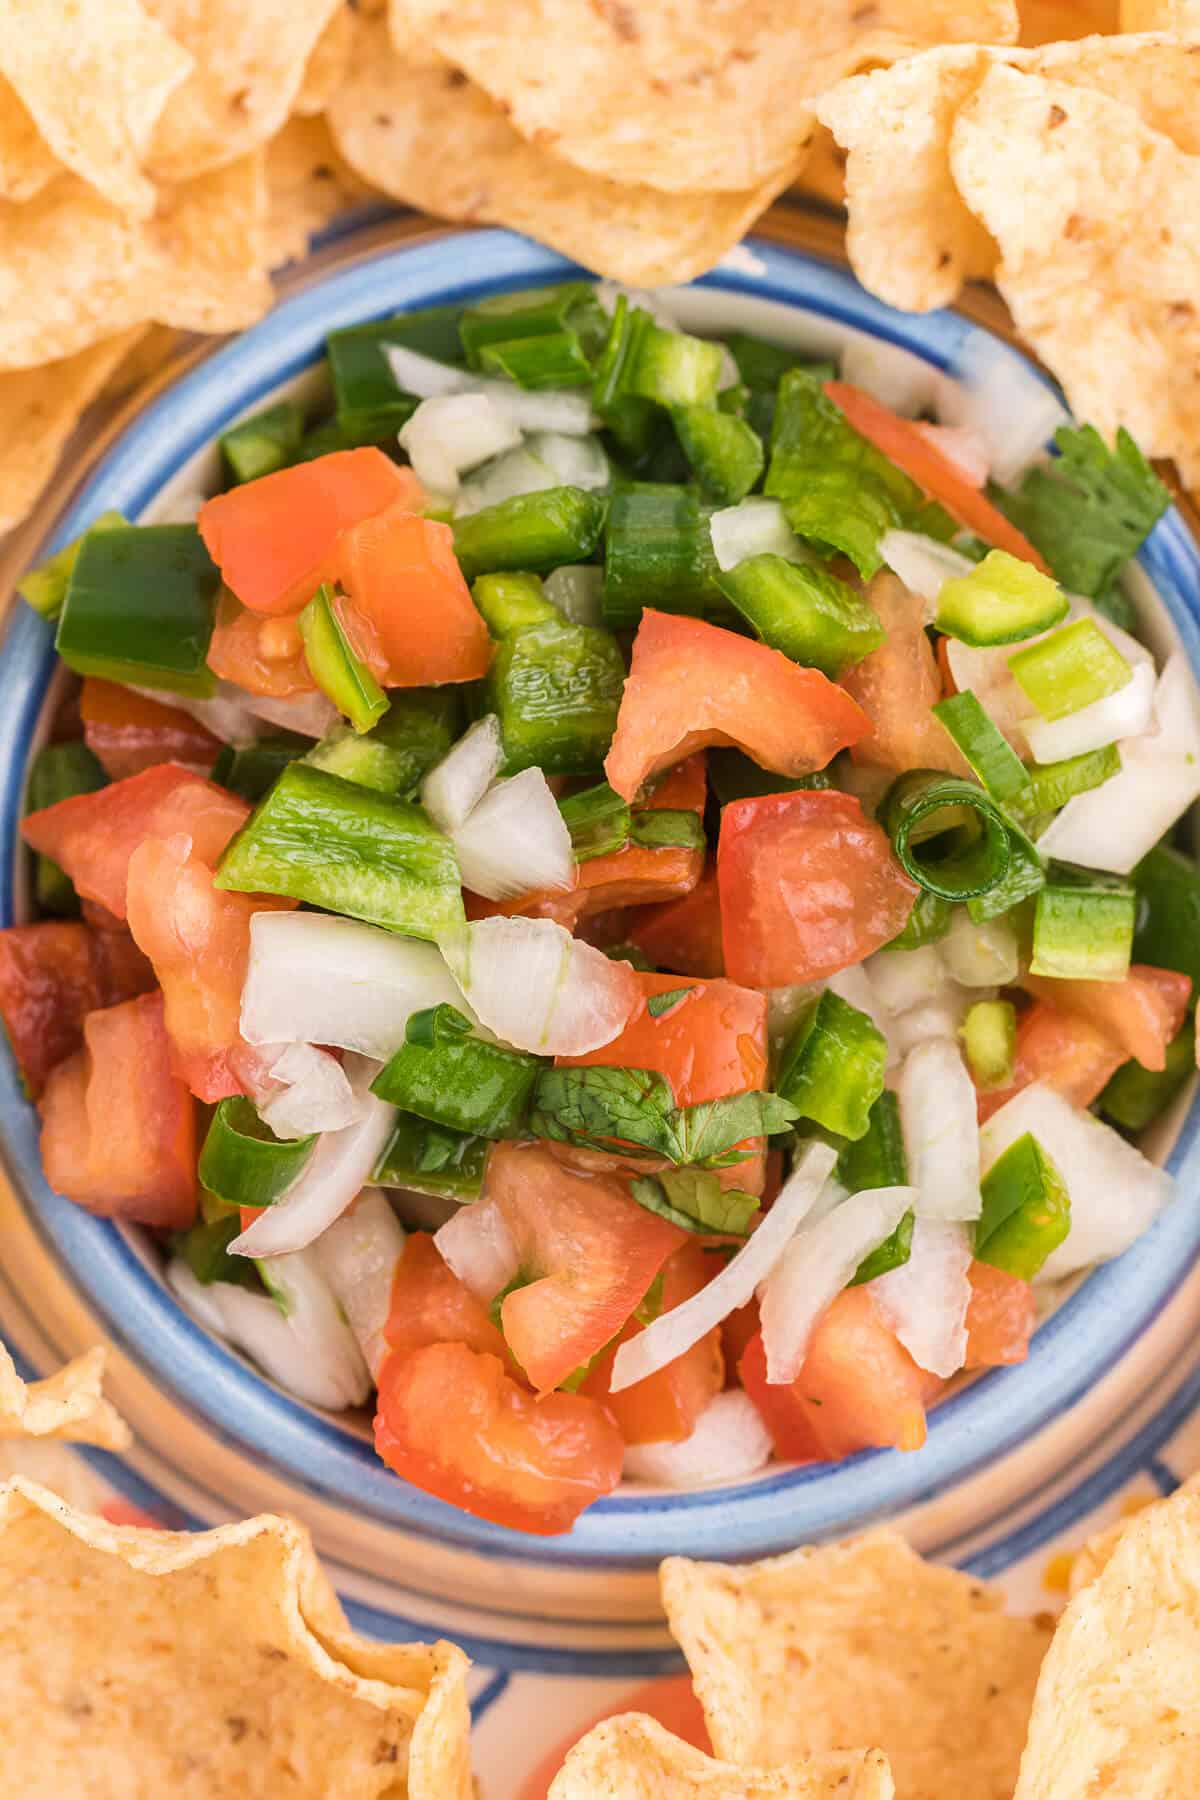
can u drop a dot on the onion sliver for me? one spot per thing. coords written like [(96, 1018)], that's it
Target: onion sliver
[(358, 1257), (458, 783), (728, 1442), (476, 1244), (925, 1300), (1121, 715), (337, 1171), (515, 840), (753, 528), (1116, 1194), (516, 472), (540, 989), (897, 378), (542, 409), (922, 564), (675, 1331), (313, 1091), (316, 979), (816, 1266), (572, 461), (938, 1111), (451, 433)]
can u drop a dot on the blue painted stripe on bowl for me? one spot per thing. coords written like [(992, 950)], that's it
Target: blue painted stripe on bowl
[(630, 1530)]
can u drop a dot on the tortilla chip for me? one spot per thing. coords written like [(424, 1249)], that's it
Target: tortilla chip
[(1116, 1709), (27, 163), (393, 120), (326, 67), (633, 1757), (309, 183), (69, 1404), (233, 1670), (824, 170), (1053, 21), (94, 80), (250, 59), (677, 96), (74, 271), (1102, 276), (1097, 1551), (40, 409), (825, 1648), (1160, 15)]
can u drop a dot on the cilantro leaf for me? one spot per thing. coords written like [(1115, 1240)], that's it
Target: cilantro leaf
[(658, 1004), (695, 1200), (1089, 510), (635, 1109)]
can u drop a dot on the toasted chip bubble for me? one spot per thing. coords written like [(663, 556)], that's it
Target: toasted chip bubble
[(1102, 275), (233, 1669), (633, 1757), (1116, 1712), (69, 1404), (326, 67), (40, 409), (827, 1648), (250, 59), (678, 96), (309, 184), (1097, 1551)]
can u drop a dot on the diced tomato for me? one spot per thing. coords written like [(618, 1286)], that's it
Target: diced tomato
[(663, 1408), (586, 1253), (411, 599), (52, 976), (808, 886), (906, 445), (1000, 1318), (737, 1329), (685, 934), (1139, 1015), (897, 685), (711, 1043), (127, 733), (93, 836), (454, 1424), (198, 939), (260, 655), (858, 1388), (430, 1305), (118, 1128), (1065, 1050), (692, 684), (275, 540)]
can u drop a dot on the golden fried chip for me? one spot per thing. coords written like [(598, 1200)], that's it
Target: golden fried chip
[(1053, 21), (635, 1758), (326, 67), (40, 409), (678, 96), (1160, 15), (827, 1648), (1116, 1710), (1096, 1552), (27, 163), (250, 58), (309, 183), (1102, 275), (74, 271), (197, 1664), (393, 121), (94, 80), (71, 1403)]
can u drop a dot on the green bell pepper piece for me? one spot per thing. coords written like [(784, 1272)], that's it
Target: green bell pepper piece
[(804, 611), (140, 607), (1167, 884), (45, 588), (432, 1159), (445, 1075), (252, 770), (204, 1247), (509, 601), (59, 772), (532, 531), (417, 730), (658, 552), (551, 334), (336, 666), (556, 688), (833, 1067), (266, 442), (725, 452), (1026, 1210), (371, 405), (1134, 1097)]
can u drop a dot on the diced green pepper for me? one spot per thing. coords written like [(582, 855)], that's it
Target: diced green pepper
[(251, 771), (204, 1247), (893, 1253), (645, 361), (1134, 1096), (242, 1160), (725, 453), (45, 588), (551, 334), (658, 552), (556, 688), (1026, 1210), (260, 445), (989, 1034), (666, 828), (59, 772), (804, 611), (992, 758), (443, 1074), (140, 607), (416, 732), (432, 1159), (598, 820), (1002, 600), (335, 665), (1168, 912), (532, 531), (833, 1067), (510, 601), (350, 850), (877, 1158), (371, 405), (1070, 669), (1083, 926)]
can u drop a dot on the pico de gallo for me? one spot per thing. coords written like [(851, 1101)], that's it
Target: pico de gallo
[(615, 892)]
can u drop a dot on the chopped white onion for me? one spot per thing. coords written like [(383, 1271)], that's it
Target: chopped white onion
[(336, 1172), (226, 713), (923, 565), (962, 447), (727, 1443), (572, 461), (816, 1266), (424, 376), (310, 1350), (855, 986), (1115, 825), (902, 979), (538, 409), (358, 1257), (675, 1331), (515, 840), (577, 590), (1120, 715), (316, 979), (307, 1090), (980, 955), (517, 472), (464, 775), (540, 989), (1006, 401), (477, 1246), (925, 1300), (454, 432), (941, 1132), (1116, 1194), (986, 674), (753, 528), (897, 378), (939, 1017)]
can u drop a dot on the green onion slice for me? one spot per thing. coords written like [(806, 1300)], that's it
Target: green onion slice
[(992, 758), (244, 1163), (948, 835)]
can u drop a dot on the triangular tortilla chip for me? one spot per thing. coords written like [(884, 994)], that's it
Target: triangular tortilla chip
[(633, 1757), (309, 183), (326, 67), (1097, 1551), (69, 1404)]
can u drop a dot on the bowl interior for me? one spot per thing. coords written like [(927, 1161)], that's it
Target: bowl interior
[(166, 454)]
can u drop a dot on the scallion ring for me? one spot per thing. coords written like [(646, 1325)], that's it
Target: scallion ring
[(243, 1162), (947, 834)]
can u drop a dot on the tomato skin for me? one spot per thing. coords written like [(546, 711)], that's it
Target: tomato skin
[(685, 934), (52, 975), (808, 886), (692, 684), (416, 622), (93, 836), (1139, 1015), (118, 1128), (275, 540), (430, 1305), (922, 461), (262, 656), (712, 1044), (1000, 1318), (897, 685), (454, 1424), (1065, 1050), (663, 1408), (126, 732), (588, 1252)]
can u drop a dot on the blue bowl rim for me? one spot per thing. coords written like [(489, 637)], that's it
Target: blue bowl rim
[(630, 1530)]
